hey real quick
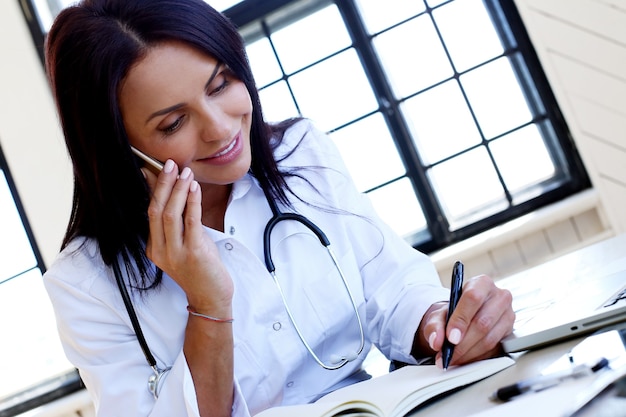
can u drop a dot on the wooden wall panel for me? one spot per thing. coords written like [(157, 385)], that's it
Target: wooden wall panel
[(582, 47)]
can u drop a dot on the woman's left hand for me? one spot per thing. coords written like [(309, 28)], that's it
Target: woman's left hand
[(483, 316)]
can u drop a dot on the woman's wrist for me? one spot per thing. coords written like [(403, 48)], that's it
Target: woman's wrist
[(193, 312)]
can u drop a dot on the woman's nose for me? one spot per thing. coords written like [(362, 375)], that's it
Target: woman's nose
[(215, 124)]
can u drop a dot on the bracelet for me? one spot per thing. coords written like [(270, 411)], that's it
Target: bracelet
[(210, 318)]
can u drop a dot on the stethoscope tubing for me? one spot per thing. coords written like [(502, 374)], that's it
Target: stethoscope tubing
[(155, 379), (277, 217)]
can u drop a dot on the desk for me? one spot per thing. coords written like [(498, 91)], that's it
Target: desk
[(605, 257)]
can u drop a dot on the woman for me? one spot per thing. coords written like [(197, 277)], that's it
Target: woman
[(171, 79)]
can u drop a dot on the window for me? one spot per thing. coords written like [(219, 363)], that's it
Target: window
[(439, 108), (35, 368)]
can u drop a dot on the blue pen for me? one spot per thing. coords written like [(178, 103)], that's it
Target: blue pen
[(455, 295)]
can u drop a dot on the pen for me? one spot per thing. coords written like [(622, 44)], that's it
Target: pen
[(542, 382), (455, 294), (607, 392)]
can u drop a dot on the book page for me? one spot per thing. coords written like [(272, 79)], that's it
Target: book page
[(325, 409), (400, 391), (394, 394)]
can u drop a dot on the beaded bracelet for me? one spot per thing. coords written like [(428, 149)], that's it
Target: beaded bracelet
[(210, 318)]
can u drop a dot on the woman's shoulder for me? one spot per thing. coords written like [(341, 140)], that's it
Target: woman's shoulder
[(302, 129), (304, 141), (79, 264)]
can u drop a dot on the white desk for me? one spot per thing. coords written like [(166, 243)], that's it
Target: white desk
[(605, 256)]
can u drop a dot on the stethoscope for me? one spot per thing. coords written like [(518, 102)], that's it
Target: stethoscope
[(155, 379), (336, 361)]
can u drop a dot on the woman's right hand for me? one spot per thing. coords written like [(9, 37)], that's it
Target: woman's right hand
[(179, 245)]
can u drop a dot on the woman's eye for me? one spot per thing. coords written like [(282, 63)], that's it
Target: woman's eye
[(168, 130), (223, 80), (220, 87)]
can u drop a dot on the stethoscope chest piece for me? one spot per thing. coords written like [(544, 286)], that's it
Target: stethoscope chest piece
[(155, 380)]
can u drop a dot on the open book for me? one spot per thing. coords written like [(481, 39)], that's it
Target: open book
[(394, 394)]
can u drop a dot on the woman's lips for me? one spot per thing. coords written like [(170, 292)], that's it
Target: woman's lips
[(226, 155), (225, 151)]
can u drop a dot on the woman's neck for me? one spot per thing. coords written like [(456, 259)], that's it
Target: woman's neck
[(214, 202)]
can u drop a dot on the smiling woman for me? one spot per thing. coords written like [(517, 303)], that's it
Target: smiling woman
[(201, 100), (185, 248)]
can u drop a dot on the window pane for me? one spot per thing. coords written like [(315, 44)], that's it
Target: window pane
[(468, 33), (512, 154), (220, 5), (369, 152), (419, 63), (277, 102), (311, 39), (263, 62), (44, 15), (334, 91), (440, 122), (14, 243), (34, 353), (496, 98), (398, 207), (468, 187), (379, 15)]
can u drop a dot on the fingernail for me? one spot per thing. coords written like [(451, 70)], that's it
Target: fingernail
[(439, 363), (169, 166), (185, 174), (431, 340), (455, 336), (194, 186)]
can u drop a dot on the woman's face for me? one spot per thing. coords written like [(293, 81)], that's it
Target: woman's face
[(180, 104)]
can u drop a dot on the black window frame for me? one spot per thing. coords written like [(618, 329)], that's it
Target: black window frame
[(515, 41)]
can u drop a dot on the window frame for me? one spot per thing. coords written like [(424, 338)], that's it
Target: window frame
[(249, 11), (55, 387), (438, 235)]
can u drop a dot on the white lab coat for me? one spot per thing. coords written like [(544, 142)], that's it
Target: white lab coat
[(392, 284)]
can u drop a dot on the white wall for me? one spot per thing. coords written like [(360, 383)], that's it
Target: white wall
[(582, 47)]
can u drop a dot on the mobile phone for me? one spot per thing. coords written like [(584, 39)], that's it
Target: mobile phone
[(152, 164)]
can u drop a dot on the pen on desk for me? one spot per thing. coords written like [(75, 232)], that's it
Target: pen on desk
[(455, 294), (542, 382)]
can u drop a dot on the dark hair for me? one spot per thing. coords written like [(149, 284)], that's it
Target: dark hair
[(89, 51)]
